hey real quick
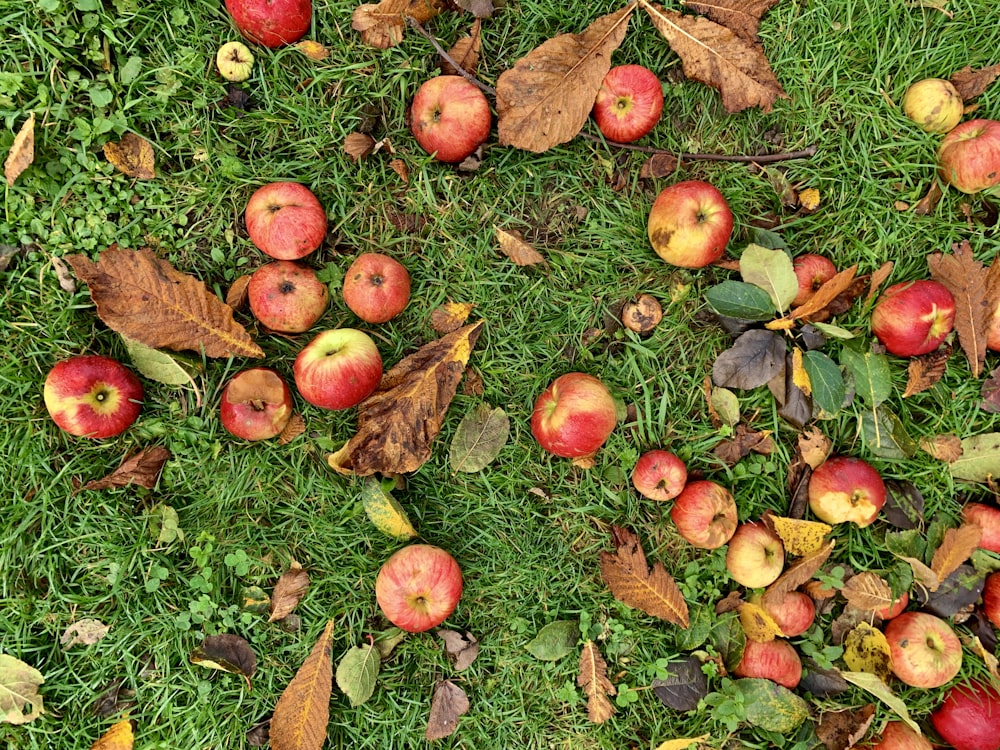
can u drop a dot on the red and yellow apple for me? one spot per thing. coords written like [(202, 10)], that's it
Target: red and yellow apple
[(991, 598), (969, 717), (934, 104), (574, 416), (756, 556), (628, 103), (794, 613), (418, 587), (286, 296), (895, 608), (659, 475), (913, 317), (376, 287), (450, 117), (338, 369), (925, 651), (775, 660), (256, 404), (898, 736), (987, 518), (690, 224), (285, 220), (705, 514), (812, 271), (993, 333), (271, 22), (845, 489), (92, 396), (969, 156)]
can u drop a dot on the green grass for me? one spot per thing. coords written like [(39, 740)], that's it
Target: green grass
[(528, 530)]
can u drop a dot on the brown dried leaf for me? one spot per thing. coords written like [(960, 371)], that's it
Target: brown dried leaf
[(814, 446), (867, 591), (797, 574), (827, 293), (546, 98), (922, 574), (991, 661), (745, 441), (142, 468), (295, 426), (631, 581), (842, 730), (465, 52), (303, 710), (943, 447), (716, 56), (742, 17), (450, 316), (731, 602), (478, 8), (87, 632), (512, 245), (145, 298), (119, 737), (593, 678), (22, 151), (461, 649), (877, 279), (399, 167), (312, 50), (288, 591), (971, 83), (399, 421), (926, 205), (449, 702), (132, 155), (358, 145), (64, 275), (658, 165), (926, 370), (956, 547), (237, 295), (382, 25)]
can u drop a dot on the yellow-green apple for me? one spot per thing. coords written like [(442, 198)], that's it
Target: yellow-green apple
[(450, 117), (793, 613), (812, 271), (756, 556), (987, 518), (376, 287), (843, 489), (574, 415), (338, 369), (934, 104), (256, 404), (285, 220), (234, 61), (286, 296), (969, 716), (659, 475), (628, 103), (775, 660), (92, 396), (271, 22), (690, 224), (898, 736), (969, 156), (913, 317), (895, 608), (705, 514), (418, 587), (925, 651)]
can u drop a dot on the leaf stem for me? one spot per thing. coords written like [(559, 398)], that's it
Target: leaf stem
[(441, 51)]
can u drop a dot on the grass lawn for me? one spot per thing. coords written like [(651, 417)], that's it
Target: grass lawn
[(527, 530)]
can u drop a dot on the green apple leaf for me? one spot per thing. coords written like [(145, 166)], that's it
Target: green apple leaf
[(735, 299), (980, 459), (770, 706), (555, 640), (161, 366), (884, 434), (872, 377), (726, 405), (772, 271), (480, 437), (755, 358), (834, 332), (872, 684), (826, 381), (357, 672)]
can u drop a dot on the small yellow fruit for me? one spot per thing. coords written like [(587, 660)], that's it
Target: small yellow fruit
[(234, 61), (934, 104)]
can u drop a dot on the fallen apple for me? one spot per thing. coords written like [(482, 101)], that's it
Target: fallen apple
[(934, 104), (894, 609), (628, 103), (256, 404), (574, 416), (969, 717), (690, 224), (376, 287), (991, 598), (987, 518), (925, 651), (793, 613), (92, 396), (418, 587), (897, 735), (285, 220), (969, 156), (844, 489), (338, 369), (993, 334), (271, 22), (913, 317), (812, 271), (756, 556), (450, 117), (234, 61), (286, 296), (705, 514), (775, 660), (659, 475)]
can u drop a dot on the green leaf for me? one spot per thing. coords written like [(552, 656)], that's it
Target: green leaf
[(726, 405), (480, 437), (164, 524), (20, 701), (130, 70), (834, 332), (385, 513), (872, 684), (826, 381), (157, 365), (356, 673), (766, 238), (701, 622), (980, 459), (885, 435), (734, 299), (872, 378), (771, 706), (555, 640), (772, 271)]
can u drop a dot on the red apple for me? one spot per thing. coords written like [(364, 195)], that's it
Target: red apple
[(934, 104), (256, 404), (418, 587), (812, 271), (775, 660), (969, 156), (338, 369), (690, 224), (574, 415), (376, 287), (285, 220), (969, 717), (287, 296), (993, 334), (705, 514), (896, 608), (793, 614), (991, 598), (846, 489), (450, 117), (92, 396), (898, 736), (926, 653), (986, 517), (659, 475), (629, 103), (271, 22), (913, 317), (755, 557)]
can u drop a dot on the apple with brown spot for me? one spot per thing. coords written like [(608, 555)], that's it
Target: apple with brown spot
[(705, 514), (286, 296), (256, 404)]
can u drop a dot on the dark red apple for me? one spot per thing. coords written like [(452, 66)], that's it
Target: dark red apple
[(705, 514), (92, 396), (450, 117), (913, 317), (286, 296), (418, 587), (969, 717), (574, 416), (775, 660), (812, 271), (659, 475), (271, 22), (926, 653), (846, 489), (376, 287), (256, 404), (969, 156), (628, 103)]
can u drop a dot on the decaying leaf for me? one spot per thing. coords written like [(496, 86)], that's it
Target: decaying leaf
[(755, 358), (924, 371), (514, 247), (86, 632), (971, 83), (294, 427), (227, 653), (237, 295), (866, 649), (132, 155), (980, 460), (841, 730), (593, 678), (758, 624), (956, 547), (479, 438), (681, 744), (830, 290), (989, 659), (770, 706), (450, 316), (142, 468), (658, 165), (632, 582), (478, 8), (797, 574), (449, 703), (465, 52), (114, 699), (798, 537), (382, 25), (462, 649), (358, 145), (145, 298), (991, 393), (684, 686), (740, 16), (947, 448), (399, 421), (120, 736), (22, 151), (288, 591), (814, 446), (714, 55), (357, 672), (926, 205), (303, 710), (20, 701), (867, 591), (313, 50), (384, 511), (546, 98), (745, 441)]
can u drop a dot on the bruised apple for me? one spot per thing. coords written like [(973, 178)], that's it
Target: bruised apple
[(628, 103), (812, 271), (926, 653), (775, 660), (690, 224), (574, 416), (418, 587), (845, 489), (705, 514), (898, 736), (92, 396), (659, 475), (969, 156), (934, 104), (287, 296), (256, 404)]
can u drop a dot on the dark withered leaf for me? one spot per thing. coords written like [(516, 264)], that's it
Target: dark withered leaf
[(260, 733), (449, 703), (794, 406), (821, 682), (227, 652), (991, 393), (959, 590), (755, 358), (982, 628), (461, 649), (684, 686), (115, 699), (841, 730), (904, 507), (236, 98)]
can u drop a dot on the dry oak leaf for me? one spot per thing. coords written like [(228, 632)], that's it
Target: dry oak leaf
[(867, 591), (142, 468), (512, 245), (381, 25), (119, 737), (398, 423), (742, 17), (22, 151), (971, 83), (546, 98), (303, 710), (450, 316), (465, 52), (145, 298), (132, 155), (358, 145), (288, 591), (956, 547), (946, 448), (632, 582), (593, 678), (797, 574), (926, 370), (717, 57), (449, 702)]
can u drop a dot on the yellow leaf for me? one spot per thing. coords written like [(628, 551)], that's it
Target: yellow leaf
[(118, 737), (385, 513), (22, 151), (681, 744), (877, 687), (781, 324), (313, 50), (132, 155), (514, 247), (866, 649), (799, 375), (809, 199), (450, 316), (757, 623), (799, 537)]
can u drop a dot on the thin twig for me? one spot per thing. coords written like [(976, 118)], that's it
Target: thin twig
[(440, 50)]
